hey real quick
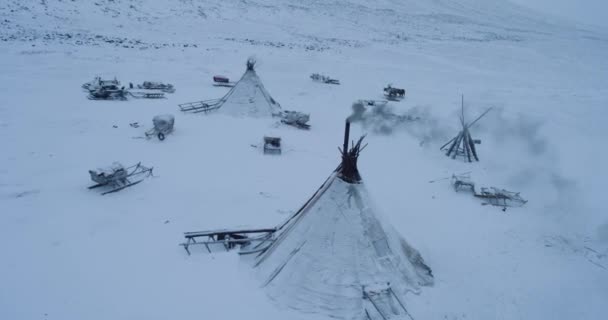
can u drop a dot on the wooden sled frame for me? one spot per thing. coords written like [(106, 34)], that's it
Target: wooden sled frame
[(200, 106), (230, 239), (122, 181)]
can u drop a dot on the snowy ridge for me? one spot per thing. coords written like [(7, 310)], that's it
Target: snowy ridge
[(330, 24)]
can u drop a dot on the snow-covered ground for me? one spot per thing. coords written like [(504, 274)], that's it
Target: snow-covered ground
[(69, 253)]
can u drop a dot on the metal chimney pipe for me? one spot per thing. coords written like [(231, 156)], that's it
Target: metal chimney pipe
[(346, 136)]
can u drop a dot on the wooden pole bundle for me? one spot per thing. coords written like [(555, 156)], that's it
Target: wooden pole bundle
[(463, 145)]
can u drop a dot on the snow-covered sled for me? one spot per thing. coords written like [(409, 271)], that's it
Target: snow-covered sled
[(492, 196), (99, 83), (151, 85), (147, 95), (117, 177), (221, 81), (324, 79), (295, 118), (110, 92), (501, 197)]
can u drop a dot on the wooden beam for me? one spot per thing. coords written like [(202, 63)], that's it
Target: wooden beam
[(454, 145), (466, 143), (473, 150)]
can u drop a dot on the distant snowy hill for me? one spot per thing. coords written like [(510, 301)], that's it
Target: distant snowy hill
[(315, 25), (69, 253)]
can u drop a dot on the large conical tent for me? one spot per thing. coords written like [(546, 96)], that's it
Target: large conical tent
[(338, 258), (463, 145), (249, 97)]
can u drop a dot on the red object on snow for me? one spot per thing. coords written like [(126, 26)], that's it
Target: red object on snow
[(220, 79)]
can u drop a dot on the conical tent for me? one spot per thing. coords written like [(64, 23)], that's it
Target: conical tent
[(249, 97), (337, 257), (463, 145)]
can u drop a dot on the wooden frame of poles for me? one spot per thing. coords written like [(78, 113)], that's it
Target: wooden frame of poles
[(463, 145)]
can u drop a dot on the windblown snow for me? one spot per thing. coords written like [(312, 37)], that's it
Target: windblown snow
[(70, 253)]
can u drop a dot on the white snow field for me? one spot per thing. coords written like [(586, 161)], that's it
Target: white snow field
[(67, 252)]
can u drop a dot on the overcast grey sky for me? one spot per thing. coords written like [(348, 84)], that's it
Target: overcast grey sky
[(594, 12)]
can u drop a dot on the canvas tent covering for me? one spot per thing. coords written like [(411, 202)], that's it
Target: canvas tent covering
[(327, 254), (249, 97)]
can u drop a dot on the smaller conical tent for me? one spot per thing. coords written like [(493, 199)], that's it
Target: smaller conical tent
[(337, 257), (463, 145), (249, 97)]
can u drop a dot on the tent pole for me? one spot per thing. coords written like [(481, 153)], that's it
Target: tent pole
[(472, 146), (465, 144), (455, 145), (481, 116), (443, 146)]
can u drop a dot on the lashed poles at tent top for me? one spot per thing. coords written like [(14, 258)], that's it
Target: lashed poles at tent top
[(348, 168), (251, 63)]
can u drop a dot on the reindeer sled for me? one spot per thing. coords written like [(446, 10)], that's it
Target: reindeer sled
[(394, 94)]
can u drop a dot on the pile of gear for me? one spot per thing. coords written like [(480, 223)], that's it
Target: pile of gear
[(295, 118), (105, 89), (100, 89), (151, 85), (323, 78)]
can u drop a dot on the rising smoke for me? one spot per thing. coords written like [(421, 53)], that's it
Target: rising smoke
[(528, 160), (379, 117)]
